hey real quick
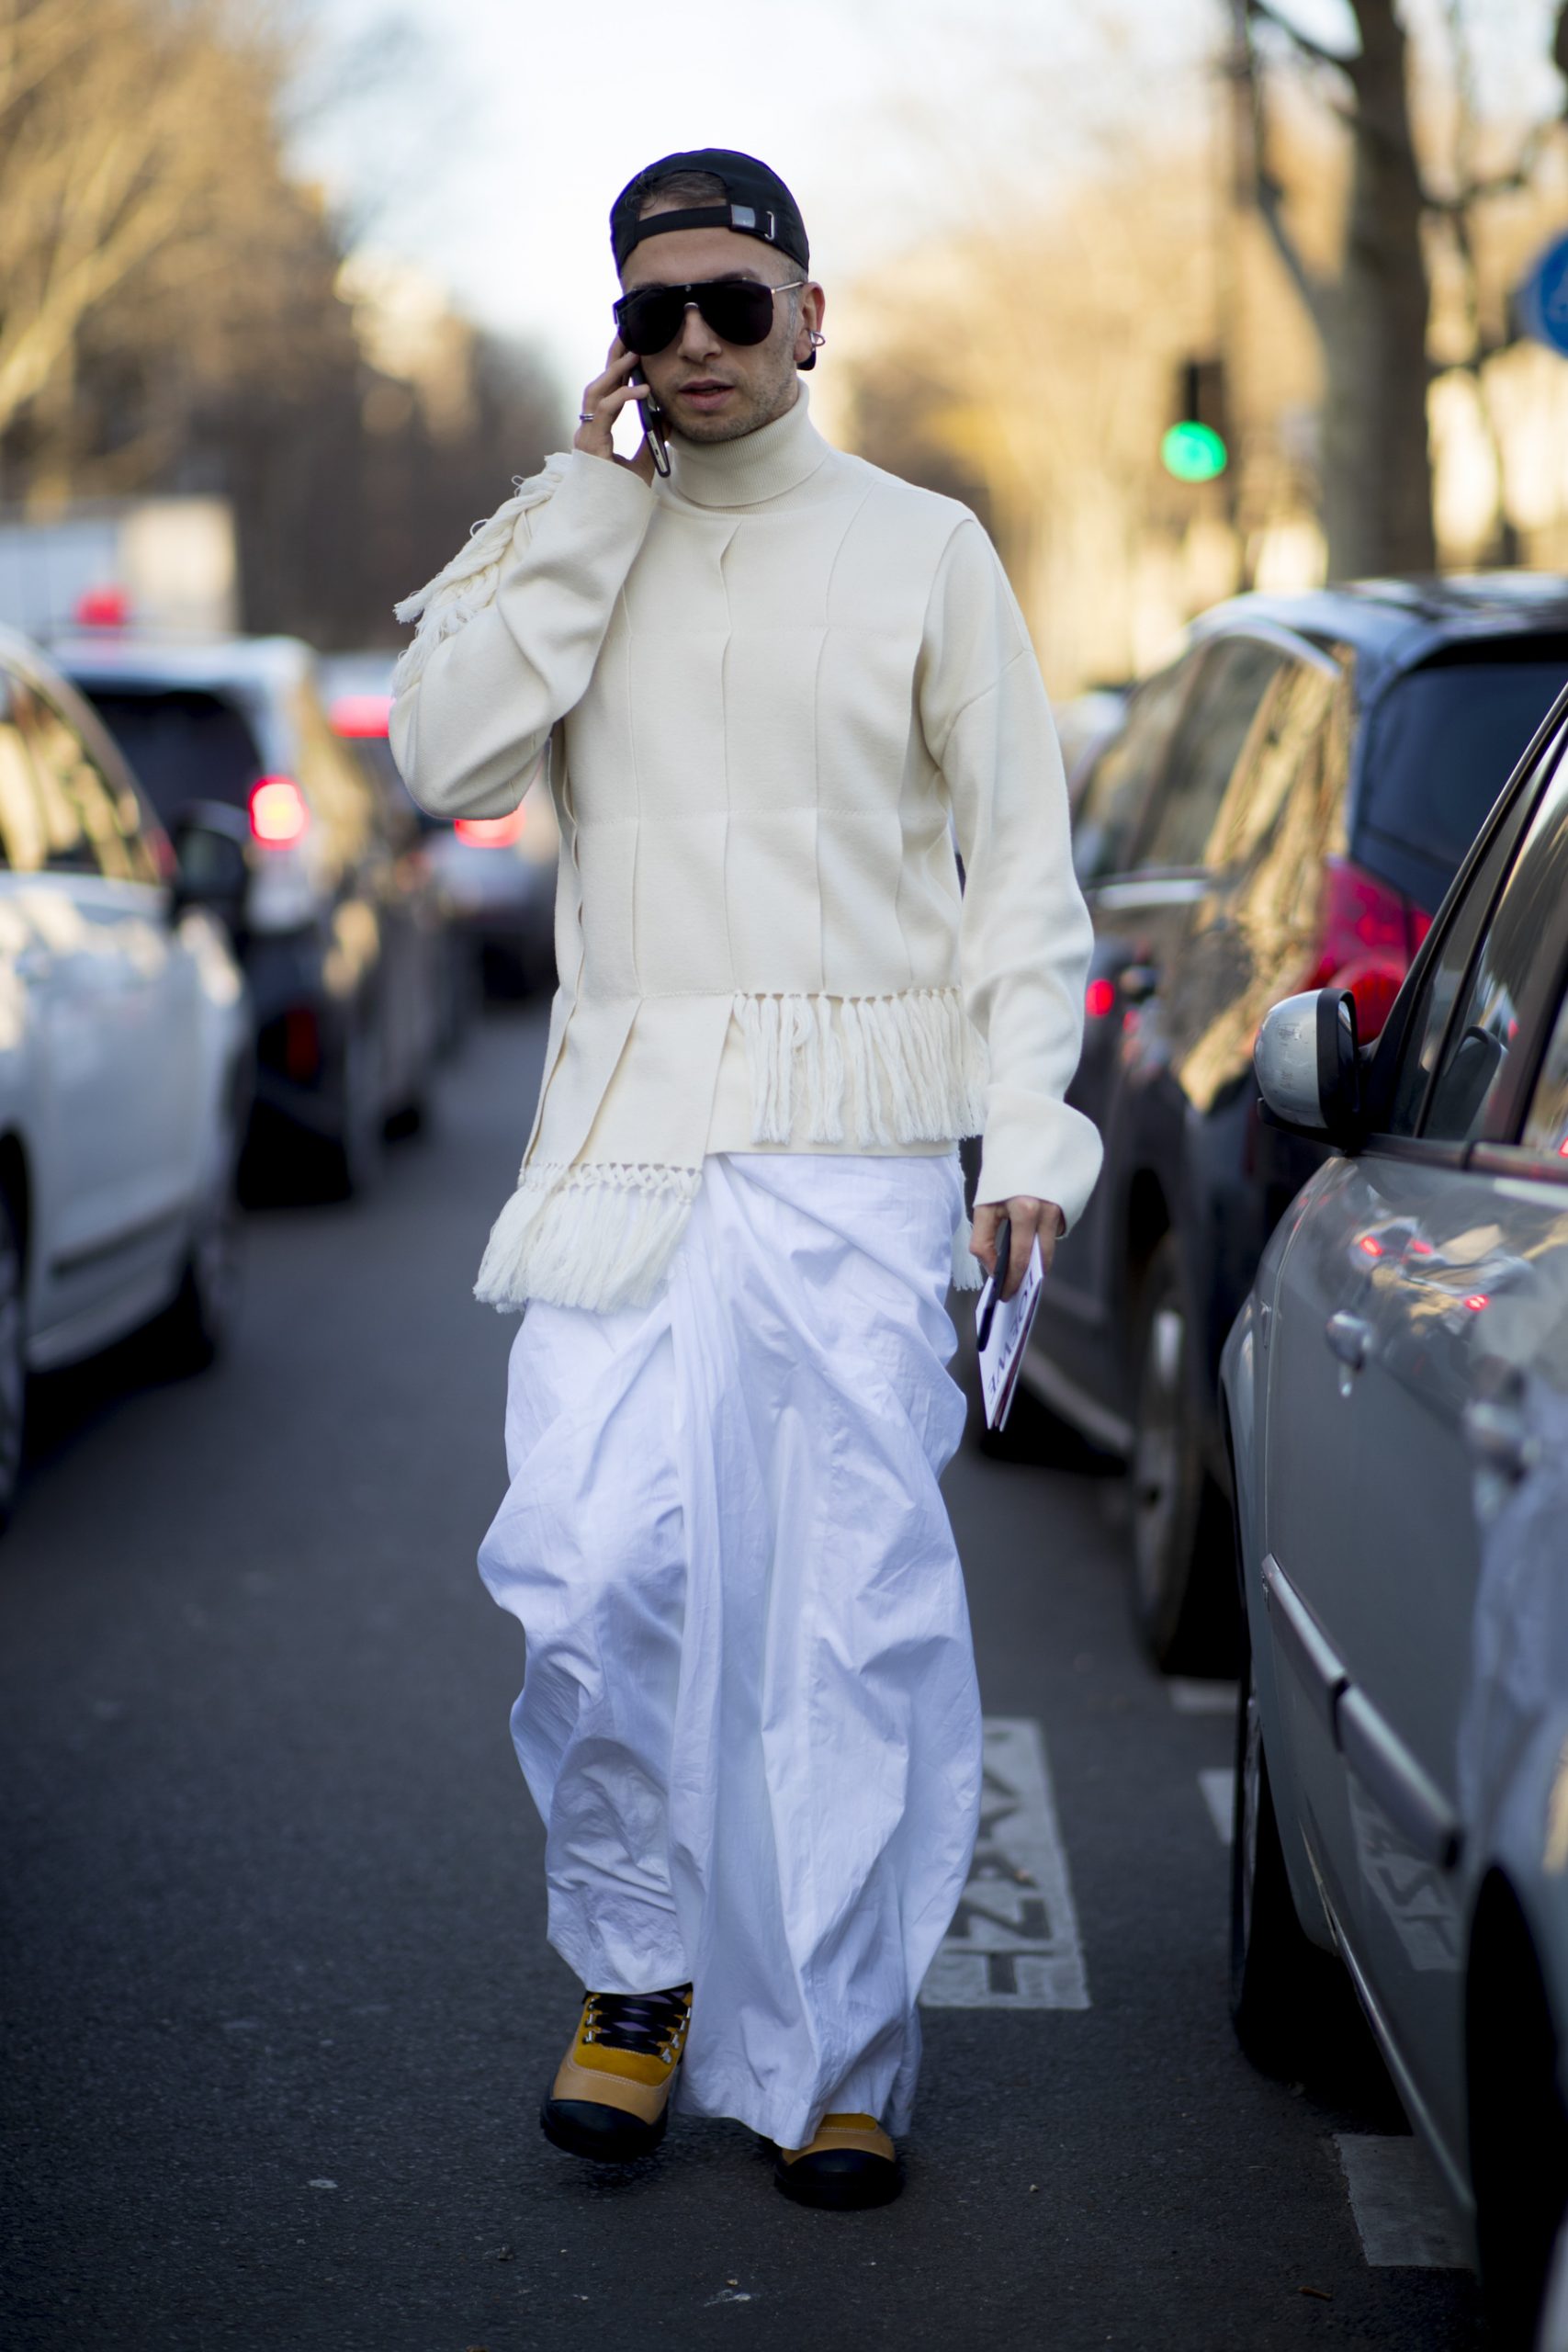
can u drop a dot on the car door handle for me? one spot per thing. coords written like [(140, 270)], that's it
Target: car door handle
[(1498, 1438), (1348, 1337), (1137, 981)]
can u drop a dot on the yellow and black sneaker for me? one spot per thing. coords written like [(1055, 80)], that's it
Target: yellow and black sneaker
[(611, 2098), (849, 2165)]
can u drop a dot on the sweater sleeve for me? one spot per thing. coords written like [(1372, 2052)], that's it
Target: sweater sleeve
[(1025, 935), (468, 733)]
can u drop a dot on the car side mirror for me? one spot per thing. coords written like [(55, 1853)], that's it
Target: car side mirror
[(211, 845), (1307, 1060)]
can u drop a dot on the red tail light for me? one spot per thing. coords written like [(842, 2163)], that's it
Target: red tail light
[(1099, 998), (490, 833), (361, 715), (103, 608), (1369, 932), (278, 815), (301, 1043)]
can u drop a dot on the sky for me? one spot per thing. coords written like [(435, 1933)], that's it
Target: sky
[(485, 141), (492, 151)]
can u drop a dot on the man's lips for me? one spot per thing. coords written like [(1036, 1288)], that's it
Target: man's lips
[(706, 388)]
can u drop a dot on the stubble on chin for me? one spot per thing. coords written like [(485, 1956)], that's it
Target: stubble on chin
[(759, 409), (706, 430)]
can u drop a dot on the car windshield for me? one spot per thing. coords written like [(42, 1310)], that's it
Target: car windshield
[(184, 744), (1443, 744)]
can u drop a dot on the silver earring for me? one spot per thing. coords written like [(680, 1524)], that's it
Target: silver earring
[(816, 340)]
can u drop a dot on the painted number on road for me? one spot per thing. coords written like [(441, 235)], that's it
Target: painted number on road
[(1014, 1943)]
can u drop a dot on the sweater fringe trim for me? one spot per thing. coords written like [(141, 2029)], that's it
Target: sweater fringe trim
[(466, 584), (866, 1069), (598, 1235)]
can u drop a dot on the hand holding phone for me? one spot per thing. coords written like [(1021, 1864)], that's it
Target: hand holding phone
[(621, 385), (653, 426)]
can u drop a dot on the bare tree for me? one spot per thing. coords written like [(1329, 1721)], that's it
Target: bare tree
[(1371, 313), (130, 134), (1043, 400), (1463, 211)]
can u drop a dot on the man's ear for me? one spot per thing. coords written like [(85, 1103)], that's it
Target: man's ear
[(808, 327)]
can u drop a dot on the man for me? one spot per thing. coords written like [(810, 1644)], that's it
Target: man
[(764, 689)]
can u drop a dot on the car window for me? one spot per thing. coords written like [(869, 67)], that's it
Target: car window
[(1112, 804), (1482, 1035), (92, 825), (185, 743), (1281, 800), (1427, 1027), (1546, 1121), (24, 837), (1441, 746), (1213, 725)]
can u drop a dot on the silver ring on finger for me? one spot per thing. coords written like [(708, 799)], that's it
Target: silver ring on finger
[(586, 416)]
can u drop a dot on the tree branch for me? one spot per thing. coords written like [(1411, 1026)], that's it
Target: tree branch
[(1261, 11), (1308, 285), (1266, 188)]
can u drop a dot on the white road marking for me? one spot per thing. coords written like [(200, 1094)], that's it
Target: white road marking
[(1218, 1785), (1193, 1698), (1014, 1943), (1401, 2215), (1412, 1892)]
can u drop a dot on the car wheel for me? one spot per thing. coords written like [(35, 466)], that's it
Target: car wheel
[(1292, 2004), (1182, 1594), (13, 1359), (190, 1334), (1518, 2130)]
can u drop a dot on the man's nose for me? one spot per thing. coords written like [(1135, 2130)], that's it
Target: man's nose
[(697, 339)]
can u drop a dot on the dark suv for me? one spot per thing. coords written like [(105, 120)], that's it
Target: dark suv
[(335, 926), (1283, 806)]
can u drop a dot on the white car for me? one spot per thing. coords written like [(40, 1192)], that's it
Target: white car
[(125, 1055)]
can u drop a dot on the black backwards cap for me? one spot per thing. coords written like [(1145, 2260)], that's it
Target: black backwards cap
[(757, 204)]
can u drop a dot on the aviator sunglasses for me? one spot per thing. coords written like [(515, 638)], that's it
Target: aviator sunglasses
[(737, 309)]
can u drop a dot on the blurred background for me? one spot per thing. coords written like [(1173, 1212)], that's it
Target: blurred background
[(1243, 324), (339, 272)]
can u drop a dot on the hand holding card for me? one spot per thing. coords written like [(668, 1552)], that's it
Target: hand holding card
[(1002, 1328)]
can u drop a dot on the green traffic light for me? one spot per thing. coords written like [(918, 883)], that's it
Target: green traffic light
[(1193, 452)]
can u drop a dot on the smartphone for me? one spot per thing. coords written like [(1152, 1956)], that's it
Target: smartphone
[(653, 426)]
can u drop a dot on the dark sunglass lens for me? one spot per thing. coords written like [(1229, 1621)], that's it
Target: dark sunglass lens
[(737, 311), (650, 321)]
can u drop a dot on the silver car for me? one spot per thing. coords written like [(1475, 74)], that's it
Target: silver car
[(1396, 1395)]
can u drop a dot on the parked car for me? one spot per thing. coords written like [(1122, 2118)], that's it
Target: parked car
[(359, 707), (1396, 1395), (1284, 806), (1085, 721), (499, 875), (496, 875), (125, 1059), (232, 732)]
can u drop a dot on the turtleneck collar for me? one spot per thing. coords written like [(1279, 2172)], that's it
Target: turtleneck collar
[(777, 457)]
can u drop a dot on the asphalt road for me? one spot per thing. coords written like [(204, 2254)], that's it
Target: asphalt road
[(278, 1999)]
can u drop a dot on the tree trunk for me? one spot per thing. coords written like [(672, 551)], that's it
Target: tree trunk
[(1377, 465)]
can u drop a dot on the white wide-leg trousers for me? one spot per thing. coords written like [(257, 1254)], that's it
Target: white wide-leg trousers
[(750, 1719)]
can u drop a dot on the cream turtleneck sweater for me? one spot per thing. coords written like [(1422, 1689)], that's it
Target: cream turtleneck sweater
[(765, 694)]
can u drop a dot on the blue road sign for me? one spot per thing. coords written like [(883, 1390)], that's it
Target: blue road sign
[(1543, 298)]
